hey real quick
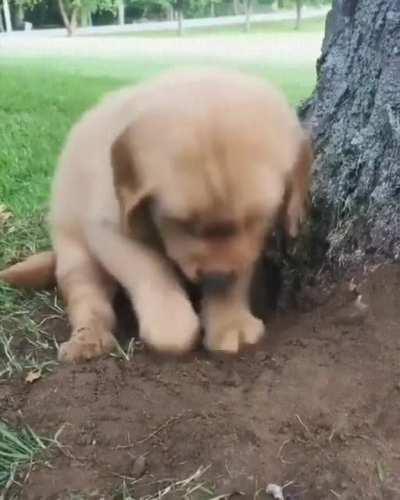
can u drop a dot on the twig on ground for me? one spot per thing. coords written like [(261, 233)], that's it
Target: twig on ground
[(170, 421)]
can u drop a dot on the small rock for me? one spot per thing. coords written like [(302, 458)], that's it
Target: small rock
[(355, 313), (260, 357), (139, 466), (352, 286), (275, 491)]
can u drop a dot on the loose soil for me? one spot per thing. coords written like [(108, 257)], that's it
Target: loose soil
[(317, 406)]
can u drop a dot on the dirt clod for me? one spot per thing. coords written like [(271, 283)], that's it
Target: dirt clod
[(139, 467)]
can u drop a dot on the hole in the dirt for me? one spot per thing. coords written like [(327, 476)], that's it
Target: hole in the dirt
[(127, 324), (264, 296)]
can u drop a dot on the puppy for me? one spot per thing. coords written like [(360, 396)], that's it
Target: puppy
[(188, 172)]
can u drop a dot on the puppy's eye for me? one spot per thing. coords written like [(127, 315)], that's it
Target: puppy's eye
[(189, 227)]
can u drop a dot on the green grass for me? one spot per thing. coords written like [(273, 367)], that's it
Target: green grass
[(25, 344), (40, 100), (18, 450), (37, 108)]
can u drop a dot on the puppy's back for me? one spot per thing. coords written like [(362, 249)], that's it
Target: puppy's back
[(83, 185)]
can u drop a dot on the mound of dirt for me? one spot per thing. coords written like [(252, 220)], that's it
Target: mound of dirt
[(315, 408)]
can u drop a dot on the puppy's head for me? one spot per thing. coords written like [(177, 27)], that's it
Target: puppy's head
[(213, 176)]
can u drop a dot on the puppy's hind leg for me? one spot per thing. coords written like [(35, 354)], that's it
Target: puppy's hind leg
[(87, 291)]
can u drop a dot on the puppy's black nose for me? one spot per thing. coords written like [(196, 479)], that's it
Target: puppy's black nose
[(216, 282)]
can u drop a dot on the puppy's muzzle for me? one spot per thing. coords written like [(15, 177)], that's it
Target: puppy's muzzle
[(213, 283)]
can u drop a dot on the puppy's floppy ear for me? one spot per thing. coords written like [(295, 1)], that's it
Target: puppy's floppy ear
[(129, 188), (297, 198)]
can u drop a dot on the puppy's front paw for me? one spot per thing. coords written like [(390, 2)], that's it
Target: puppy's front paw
[(170, 324), (231, 336), (86, 344)]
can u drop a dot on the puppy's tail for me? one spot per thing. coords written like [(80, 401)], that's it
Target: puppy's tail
[(37, 271)]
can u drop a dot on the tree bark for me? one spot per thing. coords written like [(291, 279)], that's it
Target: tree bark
[(354, 118)]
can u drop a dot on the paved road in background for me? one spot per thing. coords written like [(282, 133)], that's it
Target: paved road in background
[(292, 49)]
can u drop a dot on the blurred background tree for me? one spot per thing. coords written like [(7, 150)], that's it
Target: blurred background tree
[(74, 13)]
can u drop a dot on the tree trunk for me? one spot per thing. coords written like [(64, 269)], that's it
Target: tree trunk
[(354, 118), (19, 15), (84, 16), (180, 22), (299, 6), (212, 9), (70, 23), (249, 7), (121, 12), (236, 7), (7, 16), (169, 12)]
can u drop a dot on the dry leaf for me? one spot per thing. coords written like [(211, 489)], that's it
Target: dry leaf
[(32, 376), (4, 214)]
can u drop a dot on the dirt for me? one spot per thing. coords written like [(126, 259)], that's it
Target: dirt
[(317, 406)]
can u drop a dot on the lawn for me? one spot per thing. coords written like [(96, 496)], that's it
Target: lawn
[(39, 101)]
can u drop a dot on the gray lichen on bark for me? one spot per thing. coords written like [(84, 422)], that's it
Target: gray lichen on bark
[(354, 118)]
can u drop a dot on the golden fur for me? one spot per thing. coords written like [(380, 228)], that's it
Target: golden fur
[(193, 168)]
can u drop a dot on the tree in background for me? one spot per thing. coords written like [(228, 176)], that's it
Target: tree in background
[(69, 15), (299, 7), (121, 12), (74, 12), (248, 6), (201, 8), (19, 7), (179, 6), (7, 16)]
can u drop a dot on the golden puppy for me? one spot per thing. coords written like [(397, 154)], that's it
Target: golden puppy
[(190, 171)]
